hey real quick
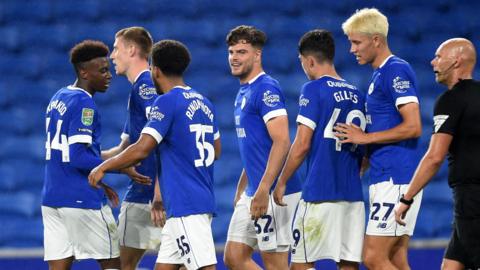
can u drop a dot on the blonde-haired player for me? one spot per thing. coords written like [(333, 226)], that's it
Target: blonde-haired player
[(393, 128)]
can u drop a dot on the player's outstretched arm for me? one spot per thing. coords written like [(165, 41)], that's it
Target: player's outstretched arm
[(410, 127), (296, 155), (278, 131), (127, 158), (428, 167), (112, 195), (157, 212), (124, 143)]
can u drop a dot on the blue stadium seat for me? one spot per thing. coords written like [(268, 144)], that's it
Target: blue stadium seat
[(21, 203), (12, 38), (438, 192), (21, 232), (37, 11), (65, 11)]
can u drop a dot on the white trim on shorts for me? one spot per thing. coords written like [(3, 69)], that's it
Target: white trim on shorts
[(189, 241), (383, 197), (82, 233), (242, 228), (135, 227), (328, 230)]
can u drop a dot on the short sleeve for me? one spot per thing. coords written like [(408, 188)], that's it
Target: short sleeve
[(400, 85), (270, 102), (308, 107), (83, 120), (126, 129), (447, 113), (160, 117)]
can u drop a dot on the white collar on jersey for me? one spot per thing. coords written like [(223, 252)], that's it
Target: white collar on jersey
[(138, 76), (183, 87), (256, 77), (71, 87), (336, 78), (385, 61)]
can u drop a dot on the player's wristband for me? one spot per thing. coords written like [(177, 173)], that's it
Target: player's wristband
[(405, 201)]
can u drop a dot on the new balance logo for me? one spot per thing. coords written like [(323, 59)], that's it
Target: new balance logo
[(438, 121)]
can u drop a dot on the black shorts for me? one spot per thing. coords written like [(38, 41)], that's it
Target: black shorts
[(464, 245)]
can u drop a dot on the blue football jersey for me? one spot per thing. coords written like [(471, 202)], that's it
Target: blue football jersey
[(71, 118), (392, 84), (183, 122), (333, 168), (141, 98), (256, 103)]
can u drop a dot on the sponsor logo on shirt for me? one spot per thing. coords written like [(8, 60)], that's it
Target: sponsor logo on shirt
[(439, 120), (400, 85), (270, 99), (303, 101), (155, 114), (146, 92), (85, 130), (87, 116)]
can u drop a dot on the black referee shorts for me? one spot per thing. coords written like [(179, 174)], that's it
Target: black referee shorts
[(464, 245)]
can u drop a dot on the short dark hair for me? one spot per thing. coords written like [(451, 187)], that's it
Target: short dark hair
[(248, 33), (319, 43), (86, 51), (171, 56), (138, 35)]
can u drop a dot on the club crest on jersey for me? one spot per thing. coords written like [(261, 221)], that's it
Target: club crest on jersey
[(270, 99), (87, 116), (400, 85), (146, 92), (370, 88)]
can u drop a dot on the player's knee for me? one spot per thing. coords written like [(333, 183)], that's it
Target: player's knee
[(371, 260), (229, 260)]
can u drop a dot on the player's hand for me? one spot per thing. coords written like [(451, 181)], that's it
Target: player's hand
[(350, 133), (278, 194), (157, 214), (111, 194), (135, 176), (401, 210), (95, 176), (259, 204)]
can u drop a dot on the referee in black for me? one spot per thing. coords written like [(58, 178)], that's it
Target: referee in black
[(456, 132)]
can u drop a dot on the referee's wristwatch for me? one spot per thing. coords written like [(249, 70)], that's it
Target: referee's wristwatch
[(405, 201)]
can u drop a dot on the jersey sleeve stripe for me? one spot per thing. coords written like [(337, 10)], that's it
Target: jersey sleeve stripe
[(124, 136), (307, 122), (405, 100), (274, 114), (80, 139), (153, 132), (216, 135)]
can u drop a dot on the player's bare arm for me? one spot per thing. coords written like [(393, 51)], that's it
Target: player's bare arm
[(130, 156), (428, 167), (217, 145), (241, 185), (157, 212), (296, 155), (410, 127), (278, 131), (124, 143)]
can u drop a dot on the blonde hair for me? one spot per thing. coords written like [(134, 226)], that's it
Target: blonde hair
[(366, 21)]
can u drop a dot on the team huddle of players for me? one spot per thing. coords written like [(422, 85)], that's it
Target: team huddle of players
[(171, 140)]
